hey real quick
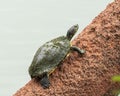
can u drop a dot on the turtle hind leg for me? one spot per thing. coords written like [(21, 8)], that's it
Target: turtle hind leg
[(45, 83), (75, 48)]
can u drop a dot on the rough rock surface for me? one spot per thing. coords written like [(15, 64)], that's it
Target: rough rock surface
[(89, 75)]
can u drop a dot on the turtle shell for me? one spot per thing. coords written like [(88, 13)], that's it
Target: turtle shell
[(49, 56)]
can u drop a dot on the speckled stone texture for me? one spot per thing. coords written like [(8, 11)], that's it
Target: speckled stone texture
[(88, 75)]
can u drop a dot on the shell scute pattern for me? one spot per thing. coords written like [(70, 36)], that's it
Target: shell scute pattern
[(49, 56)]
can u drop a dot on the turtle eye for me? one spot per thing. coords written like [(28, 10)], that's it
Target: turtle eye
[(76, 27)]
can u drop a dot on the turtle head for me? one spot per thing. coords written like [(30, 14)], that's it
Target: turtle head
[(71, 32)]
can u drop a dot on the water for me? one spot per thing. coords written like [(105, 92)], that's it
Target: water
[(27, 24)]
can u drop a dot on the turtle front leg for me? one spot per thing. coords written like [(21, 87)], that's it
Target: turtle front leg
[(75, 48), (45, 83)]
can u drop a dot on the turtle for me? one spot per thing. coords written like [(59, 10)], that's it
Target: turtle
[(49, 56)]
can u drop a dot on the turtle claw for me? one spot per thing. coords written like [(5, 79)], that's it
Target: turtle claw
[(45, 85), (82, 51)]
